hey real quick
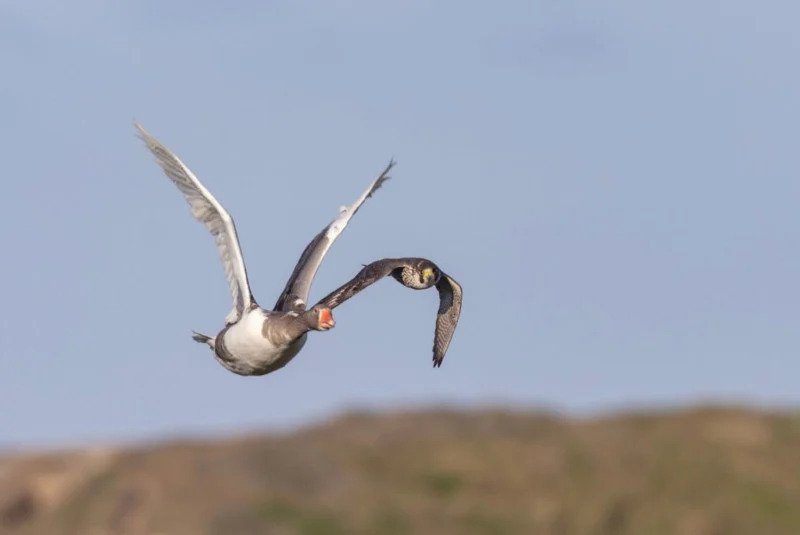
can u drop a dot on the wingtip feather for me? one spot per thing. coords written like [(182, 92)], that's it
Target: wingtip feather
[(140, 131), (383, 177), (146, 136)]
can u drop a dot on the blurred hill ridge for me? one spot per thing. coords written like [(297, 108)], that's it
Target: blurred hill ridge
[(703, 470)]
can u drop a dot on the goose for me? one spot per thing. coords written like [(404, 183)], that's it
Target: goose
[(254, 340)]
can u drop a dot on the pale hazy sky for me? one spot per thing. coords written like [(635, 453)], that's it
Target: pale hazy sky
[(616, 186)]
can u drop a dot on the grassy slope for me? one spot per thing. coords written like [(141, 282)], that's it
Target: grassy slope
[(701, 471)]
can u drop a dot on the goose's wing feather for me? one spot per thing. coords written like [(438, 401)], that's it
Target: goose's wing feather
[(450, 297), (295, 293), (206, 209)]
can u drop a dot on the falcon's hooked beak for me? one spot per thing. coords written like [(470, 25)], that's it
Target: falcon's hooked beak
[(326, 321), (428, 276)]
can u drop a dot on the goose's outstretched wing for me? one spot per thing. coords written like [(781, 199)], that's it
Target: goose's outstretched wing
[(206, 209), (416, 273), (295, 293)]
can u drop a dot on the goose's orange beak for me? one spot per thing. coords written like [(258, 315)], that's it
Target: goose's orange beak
[(326, 320)]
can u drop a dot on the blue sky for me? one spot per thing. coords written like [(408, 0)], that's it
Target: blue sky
[(615, 186)]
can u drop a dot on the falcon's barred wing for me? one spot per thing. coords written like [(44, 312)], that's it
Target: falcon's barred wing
[(371, 274), (450, 297)]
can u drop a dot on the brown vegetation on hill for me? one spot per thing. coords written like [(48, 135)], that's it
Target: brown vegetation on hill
[(689, 472)]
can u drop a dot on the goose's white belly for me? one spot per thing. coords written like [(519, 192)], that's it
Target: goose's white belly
[(251, 352)]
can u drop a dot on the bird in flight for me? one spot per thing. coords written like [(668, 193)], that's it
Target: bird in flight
[(415, 273), (257, 341)]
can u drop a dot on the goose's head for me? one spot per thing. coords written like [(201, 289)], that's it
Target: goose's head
[(320, 318)]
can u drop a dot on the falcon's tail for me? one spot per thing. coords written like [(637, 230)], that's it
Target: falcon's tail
[(203, 339)]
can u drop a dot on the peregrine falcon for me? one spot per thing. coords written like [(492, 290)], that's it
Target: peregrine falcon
[(415, 273)]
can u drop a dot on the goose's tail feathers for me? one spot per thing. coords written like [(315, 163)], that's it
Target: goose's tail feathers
[(203, 339)]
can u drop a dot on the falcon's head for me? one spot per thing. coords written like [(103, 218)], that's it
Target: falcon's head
[(428, 273)]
